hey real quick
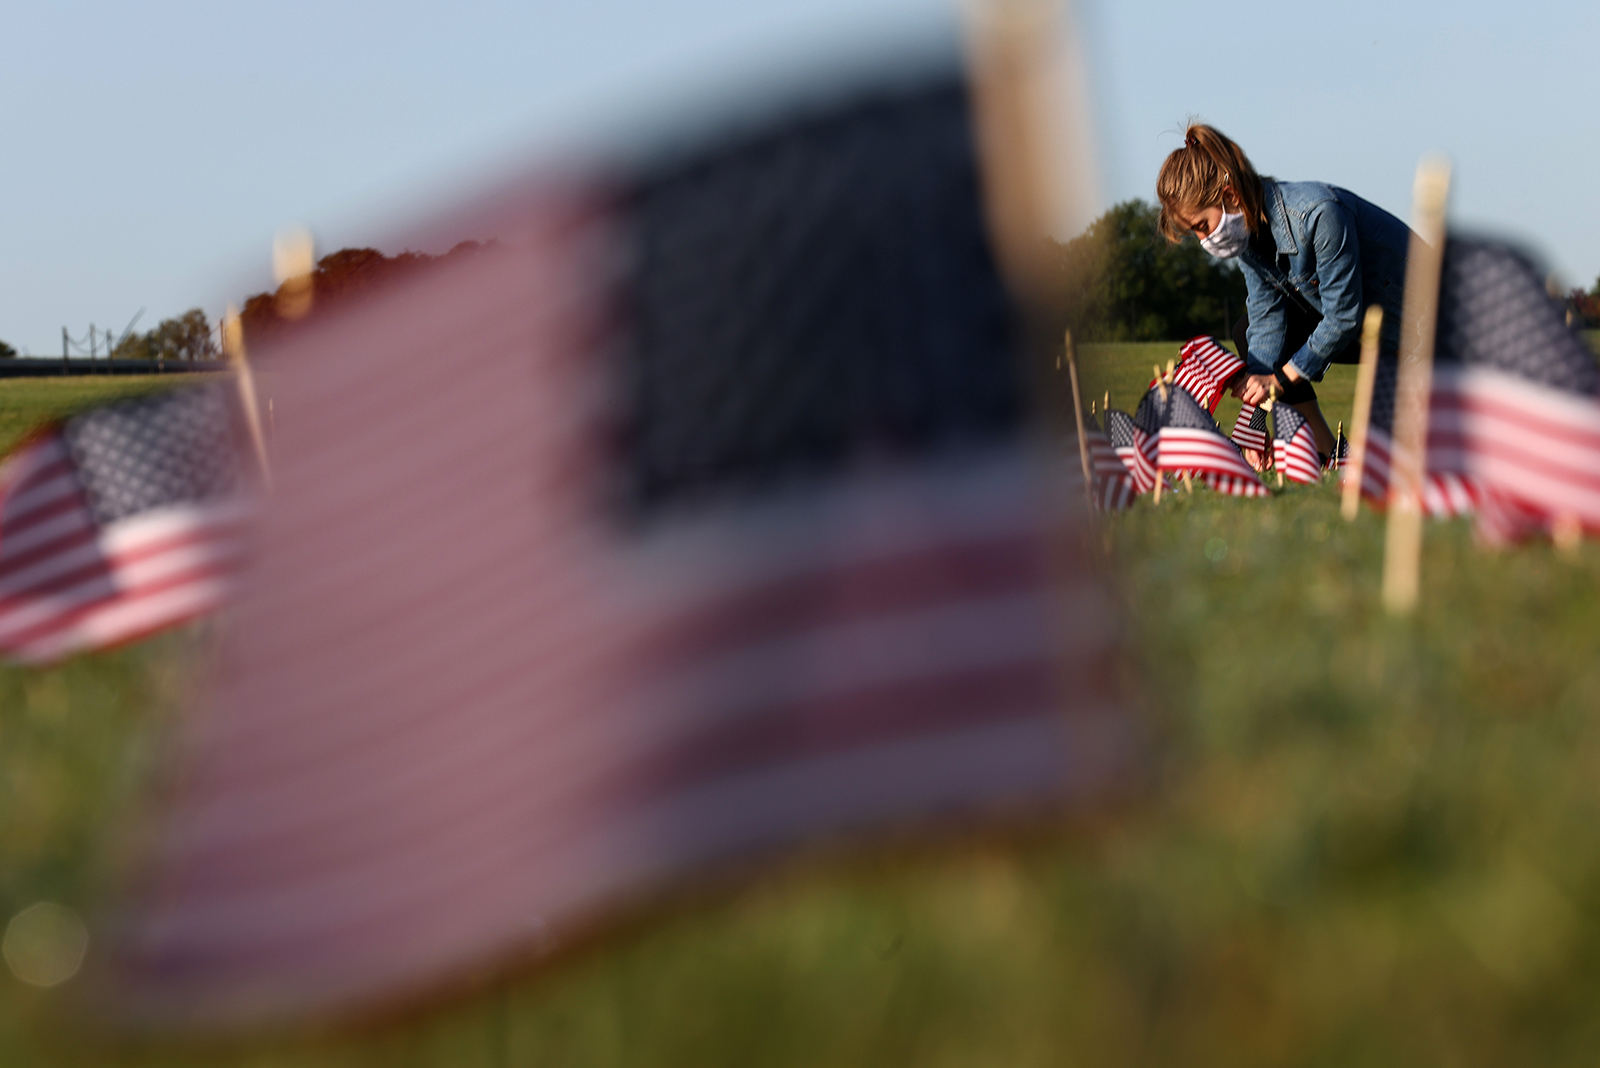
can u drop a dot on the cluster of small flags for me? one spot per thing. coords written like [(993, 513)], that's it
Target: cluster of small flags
[(1172, 434)]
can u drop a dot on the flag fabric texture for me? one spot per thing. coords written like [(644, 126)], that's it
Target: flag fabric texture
[(1294, 449), (1188, 439), (1515, 410), (578, 587), (1204, 368), (1341, 454), (1114, 487), (1446, 493), (120, 521), (1135, 448), (1250, 428)]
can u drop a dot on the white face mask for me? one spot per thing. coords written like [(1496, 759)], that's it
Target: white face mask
[(1228, 238)]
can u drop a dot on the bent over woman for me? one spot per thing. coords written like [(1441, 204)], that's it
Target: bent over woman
[(1314, 257)]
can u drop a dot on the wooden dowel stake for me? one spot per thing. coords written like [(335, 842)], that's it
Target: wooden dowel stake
[(1419, 315), (1077, 414), (1366, 377), (244, 378)]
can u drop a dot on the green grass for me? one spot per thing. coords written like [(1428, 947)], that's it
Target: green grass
[(1362, 841), (27, 402)]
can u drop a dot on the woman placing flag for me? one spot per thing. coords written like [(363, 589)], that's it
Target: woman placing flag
[(1314, 257)]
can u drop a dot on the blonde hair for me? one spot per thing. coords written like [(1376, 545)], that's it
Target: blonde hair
[(1195, 177)]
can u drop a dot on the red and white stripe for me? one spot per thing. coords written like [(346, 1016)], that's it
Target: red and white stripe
[(1297, 458), (1114, 487), (1140, 460), (67, 585), (1204, 368), (1445, 494), (1208, 453), (1534, 447)]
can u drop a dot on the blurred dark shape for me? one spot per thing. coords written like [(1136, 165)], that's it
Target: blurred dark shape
[(7, 352), (812, 292), (1585, 307), (340, 276), (1120, 280)]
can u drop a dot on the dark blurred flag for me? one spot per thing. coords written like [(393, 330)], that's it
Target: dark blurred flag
[(1250, 428), (1294, 449), (696, 518), (120, 521), (1515, 411), (1188, 439)]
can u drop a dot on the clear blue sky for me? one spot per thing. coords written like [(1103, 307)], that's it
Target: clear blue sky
[(151, 149)]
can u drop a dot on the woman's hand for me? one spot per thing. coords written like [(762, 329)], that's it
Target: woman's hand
[(1253, 389)]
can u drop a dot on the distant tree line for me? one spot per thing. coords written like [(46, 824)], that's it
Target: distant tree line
[(185, 337), (1120, 280), (1585, 307), (340, 276)]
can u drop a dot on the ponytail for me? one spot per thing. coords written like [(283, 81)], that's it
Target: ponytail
[(1194, 177)]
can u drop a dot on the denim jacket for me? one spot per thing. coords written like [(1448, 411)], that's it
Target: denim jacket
[(1336, 254)]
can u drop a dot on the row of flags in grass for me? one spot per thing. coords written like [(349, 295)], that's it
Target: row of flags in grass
[(1513, 422), (1172, 434)]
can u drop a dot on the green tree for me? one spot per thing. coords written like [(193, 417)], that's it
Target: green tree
[(1121, 280), (187, 337), (7, 352)]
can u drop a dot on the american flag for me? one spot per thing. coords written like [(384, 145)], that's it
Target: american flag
[(1294, 449), (1113, 488), (1204, 368), (1341, 453), (600, 606), (120, 521), (1135, 448), (1188, 439), (1515, 411), (1250, 428), (1446, 492)]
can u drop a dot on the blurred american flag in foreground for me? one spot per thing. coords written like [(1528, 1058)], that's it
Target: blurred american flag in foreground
[(697, 518), (1514, 415), (120, 521)]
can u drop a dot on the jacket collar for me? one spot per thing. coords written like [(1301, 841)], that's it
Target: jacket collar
[(1278, 217)]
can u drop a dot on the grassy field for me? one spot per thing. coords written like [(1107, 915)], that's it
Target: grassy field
[(1362, 842)]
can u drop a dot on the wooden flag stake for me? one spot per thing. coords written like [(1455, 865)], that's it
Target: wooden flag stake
[(1338, 439), (1188, 483), (1366, 376), (1161, 383), (1408, 464), (1567, 533), (1077, 414), (244, 378), (1105, 405)]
